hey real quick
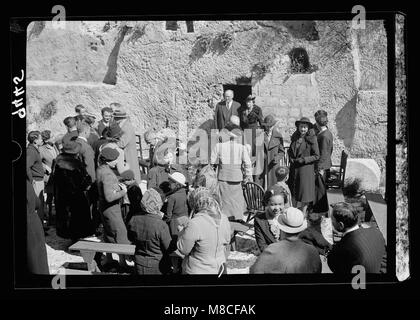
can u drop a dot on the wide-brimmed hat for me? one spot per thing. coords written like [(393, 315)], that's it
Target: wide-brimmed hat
[(109, 154), (72, 147), (177, 177), (250, 98), (292, 221), (269, 121), (304, 120), (120, 114)]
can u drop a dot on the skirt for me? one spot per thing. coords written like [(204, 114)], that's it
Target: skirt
[(232, 201)]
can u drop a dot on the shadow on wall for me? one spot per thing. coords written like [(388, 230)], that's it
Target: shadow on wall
[(215, 44), (36, 29), (302, 30), (345, 122), (112, 63)]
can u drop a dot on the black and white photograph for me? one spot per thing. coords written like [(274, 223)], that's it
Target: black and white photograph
[(225, 148)]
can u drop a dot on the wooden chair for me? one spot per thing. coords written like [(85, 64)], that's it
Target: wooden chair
[(285, 161), (144, 164), (253, 194), (336, 178)]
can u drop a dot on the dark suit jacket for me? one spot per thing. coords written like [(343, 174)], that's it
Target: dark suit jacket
[(288, 256), (263, 235), (88, 156), (222, 114), (274, 152), (325, 144), (364, 247)]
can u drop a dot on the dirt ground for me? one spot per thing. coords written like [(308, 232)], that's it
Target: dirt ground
[(238, 262)]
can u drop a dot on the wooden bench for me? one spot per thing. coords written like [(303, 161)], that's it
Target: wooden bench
[(378, 208), (88, 249)]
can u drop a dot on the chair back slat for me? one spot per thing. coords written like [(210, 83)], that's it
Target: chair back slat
[(343, 166), (253, 194)]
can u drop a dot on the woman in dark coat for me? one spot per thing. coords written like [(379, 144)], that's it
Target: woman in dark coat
[(71, 180), (36, 252), (322, 167), (150, 234), (266, 225), (303, 153)]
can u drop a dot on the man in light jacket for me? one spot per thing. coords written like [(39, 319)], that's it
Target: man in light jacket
[(127, 141)]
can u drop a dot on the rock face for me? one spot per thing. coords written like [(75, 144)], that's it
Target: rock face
[(366, 171), (165, 76)]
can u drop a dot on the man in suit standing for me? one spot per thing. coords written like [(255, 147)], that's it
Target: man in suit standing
[(359, 246), (225, 109), (86, 152)]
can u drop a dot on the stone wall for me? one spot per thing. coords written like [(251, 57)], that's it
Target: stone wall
[(164, 76)]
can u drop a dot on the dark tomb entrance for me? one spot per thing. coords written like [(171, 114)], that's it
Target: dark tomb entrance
[(240, 92)]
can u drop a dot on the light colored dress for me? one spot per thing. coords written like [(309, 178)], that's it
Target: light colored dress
[(234, 162)]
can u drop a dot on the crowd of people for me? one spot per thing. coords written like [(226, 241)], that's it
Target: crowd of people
[(181, 224)]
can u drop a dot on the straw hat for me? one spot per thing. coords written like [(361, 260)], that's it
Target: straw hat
[(293, 221)]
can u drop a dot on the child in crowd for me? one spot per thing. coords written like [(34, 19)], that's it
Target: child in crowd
[(282, 175), (313, 233), (127, 178), (177, 211)]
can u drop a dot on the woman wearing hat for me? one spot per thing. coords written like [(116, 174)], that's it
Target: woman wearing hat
[(292, 254), (205, 239), (110, 192), (48, 152), (251, 119), (230, 156), (303, 154), (273, 152), (251, 115), (150, 234), (177, 209), (71, 180), (267, 229), (322, 167)]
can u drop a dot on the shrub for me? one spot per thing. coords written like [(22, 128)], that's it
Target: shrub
[(48, 110)]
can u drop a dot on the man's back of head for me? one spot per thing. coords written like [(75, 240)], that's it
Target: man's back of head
[(344, 216), (70, 123), (83, 129)]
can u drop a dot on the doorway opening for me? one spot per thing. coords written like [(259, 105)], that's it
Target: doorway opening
[(240, 92)]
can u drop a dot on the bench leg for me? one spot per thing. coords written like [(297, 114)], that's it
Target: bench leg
[(88, 258)]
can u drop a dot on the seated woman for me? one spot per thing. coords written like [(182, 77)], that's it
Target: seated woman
[(267, 229), (150, 234), (205, 238)]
